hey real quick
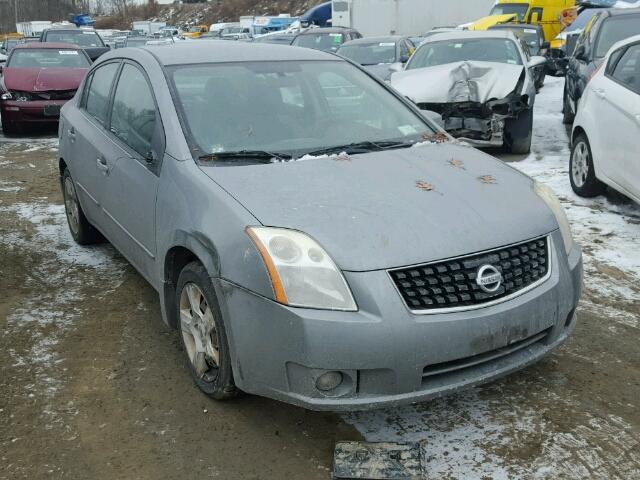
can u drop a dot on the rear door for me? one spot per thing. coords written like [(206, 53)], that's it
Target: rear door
[(85, 131), (619, 96), (133, 155)]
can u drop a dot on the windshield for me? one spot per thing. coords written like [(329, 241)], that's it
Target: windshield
[(320, 41), (519, 8), (529, 35), (582, 19), (48, 58), (475, 49), (288, 107), (82, 38), (616, 29), (370, 53)]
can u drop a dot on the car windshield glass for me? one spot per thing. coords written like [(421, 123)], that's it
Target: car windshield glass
[(616, 29), (529, 35), (475, 49), (81, 38), (48, 58), (320, 41), (581, 21), (370, 53), (289, 107), (519, 8)]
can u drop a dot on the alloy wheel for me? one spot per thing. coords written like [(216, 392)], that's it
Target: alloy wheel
[(199, 332), (580, 164), (71, 205)]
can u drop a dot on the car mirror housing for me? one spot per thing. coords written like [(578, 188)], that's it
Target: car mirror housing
[(537, 61), (546, 45), (580, 53)]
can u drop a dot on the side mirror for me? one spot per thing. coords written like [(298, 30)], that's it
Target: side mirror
[(404, 58), (1, 69), (396, 67), (546, 45), (537, 61)]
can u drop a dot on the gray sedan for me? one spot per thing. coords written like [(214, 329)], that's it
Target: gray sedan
[(311, 235)]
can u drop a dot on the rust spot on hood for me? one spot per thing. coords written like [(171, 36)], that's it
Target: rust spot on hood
[(457, 164), (426, 186), (437, 137), (488, 179)]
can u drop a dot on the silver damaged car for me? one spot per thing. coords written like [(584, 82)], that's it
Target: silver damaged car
[(312, 237)]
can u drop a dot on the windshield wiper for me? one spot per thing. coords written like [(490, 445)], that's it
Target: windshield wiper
[(361, 147), (261, 155)]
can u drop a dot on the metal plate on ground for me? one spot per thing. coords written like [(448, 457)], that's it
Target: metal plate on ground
[(377, 461)]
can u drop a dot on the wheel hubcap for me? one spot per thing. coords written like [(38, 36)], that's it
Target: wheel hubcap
[(71, 205), (580, 164), (199, 332)]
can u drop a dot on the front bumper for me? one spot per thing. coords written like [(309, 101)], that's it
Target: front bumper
[(386, 354), (39, 111)]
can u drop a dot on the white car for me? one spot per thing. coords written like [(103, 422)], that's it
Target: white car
[(606, 130)]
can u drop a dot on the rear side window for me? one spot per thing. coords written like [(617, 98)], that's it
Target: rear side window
[(133, 118), (615, 29), (99, 86), (627, 70)]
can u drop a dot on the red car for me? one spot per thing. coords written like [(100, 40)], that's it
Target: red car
[(37, 80)]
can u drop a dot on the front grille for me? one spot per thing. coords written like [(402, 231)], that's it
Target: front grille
[(54, 95), (453, 283)]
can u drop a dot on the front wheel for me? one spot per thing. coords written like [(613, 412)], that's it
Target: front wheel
[(567, 114), (203, 334), (581, 170), (518, 132)]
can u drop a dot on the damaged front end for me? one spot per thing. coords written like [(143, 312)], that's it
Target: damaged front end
[(475, 101), (481, 124)]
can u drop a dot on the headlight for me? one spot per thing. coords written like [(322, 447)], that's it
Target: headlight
[(302, 273), (6, 96), (546, 194)]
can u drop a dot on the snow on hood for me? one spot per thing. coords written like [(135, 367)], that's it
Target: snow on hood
[(458, 82)]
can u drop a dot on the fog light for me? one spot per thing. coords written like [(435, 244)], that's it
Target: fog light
[(329, 381)]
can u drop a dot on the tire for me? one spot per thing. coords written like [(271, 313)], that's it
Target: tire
[(567, 114), (518, 132), (206, 338), (10, 128), (581, 170), (81, 230)]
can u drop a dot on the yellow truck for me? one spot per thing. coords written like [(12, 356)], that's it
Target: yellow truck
[(551, 15), (196, 31)]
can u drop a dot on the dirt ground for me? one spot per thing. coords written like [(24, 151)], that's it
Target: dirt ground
[(93, 385)]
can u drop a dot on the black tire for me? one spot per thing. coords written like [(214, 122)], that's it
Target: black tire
[(518, 132), (217, 381), (567, 114), (10, 128), (581, 171), (81, 230)]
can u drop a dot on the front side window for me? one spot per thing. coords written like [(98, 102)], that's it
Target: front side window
[(99, 86), (288, 107), (627, 70), (48, 58), (370, 53), (474, 49), (519, 9), (615, 29), (82, 38), (133, 118)]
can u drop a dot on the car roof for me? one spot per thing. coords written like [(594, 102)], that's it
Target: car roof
[(328, 30), (51, 45), (468, 34), (368, 40), (515, 25), (222, 51), (616, 12)]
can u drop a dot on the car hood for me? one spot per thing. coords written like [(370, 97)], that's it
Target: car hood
[(394, 208), (458, 82), (43, 79)]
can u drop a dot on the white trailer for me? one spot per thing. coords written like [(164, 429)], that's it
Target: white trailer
[(406, 17), (32, 29), (148, 28)]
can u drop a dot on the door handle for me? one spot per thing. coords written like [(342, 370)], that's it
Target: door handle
[(600, 93), (102, 164), (71, 133)]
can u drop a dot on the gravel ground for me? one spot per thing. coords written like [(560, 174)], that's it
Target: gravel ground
[(94, 386)]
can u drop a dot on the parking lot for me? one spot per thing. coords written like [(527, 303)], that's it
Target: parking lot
[(95, 385)]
